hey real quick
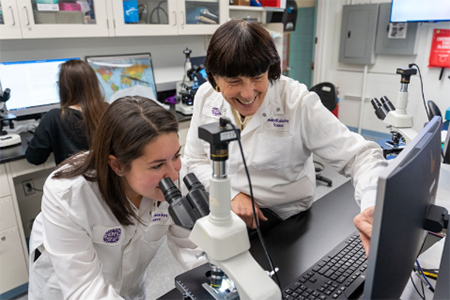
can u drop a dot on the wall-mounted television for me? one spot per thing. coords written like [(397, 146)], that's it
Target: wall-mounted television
[(420, 11)]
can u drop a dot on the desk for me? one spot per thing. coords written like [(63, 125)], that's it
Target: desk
[(307, 237), (298, 242)]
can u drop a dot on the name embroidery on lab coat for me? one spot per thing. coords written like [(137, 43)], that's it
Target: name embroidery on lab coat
[(281, 123), (112, 236), (159, 217)]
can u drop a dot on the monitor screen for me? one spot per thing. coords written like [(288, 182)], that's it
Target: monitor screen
[(117, 72), (406, 189), (33, 84), (420, 10)]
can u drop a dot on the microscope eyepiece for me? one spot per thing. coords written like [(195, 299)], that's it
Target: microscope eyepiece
[(191, 181), (170, 191)]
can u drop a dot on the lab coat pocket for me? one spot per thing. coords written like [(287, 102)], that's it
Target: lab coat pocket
[(271, 152)]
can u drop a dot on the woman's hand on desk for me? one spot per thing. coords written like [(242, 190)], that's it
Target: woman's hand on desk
[(242, 206), (363, 223)]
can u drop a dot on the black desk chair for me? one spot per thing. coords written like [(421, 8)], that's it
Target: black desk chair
[(328, 95)]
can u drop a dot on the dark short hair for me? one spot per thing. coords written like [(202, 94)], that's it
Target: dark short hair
[(241, 48), (126, 128)]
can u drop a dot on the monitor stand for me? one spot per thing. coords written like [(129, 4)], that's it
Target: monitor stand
[(5, 138)]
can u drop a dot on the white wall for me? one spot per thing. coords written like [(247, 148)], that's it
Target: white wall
[(381, 77), (166, 51)]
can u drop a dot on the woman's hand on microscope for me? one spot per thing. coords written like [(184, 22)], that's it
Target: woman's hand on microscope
[(242, 206)]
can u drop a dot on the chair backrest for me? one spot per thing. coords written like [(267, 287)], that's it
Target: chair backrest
[(327, 93), (433, 109)]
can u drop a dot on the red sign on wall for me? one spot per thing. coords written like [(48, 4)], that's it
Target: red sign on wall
[(440, 49)]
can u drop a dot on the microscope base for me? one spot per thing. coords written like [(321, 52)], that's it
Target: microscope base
[(190, 283), (10, 140), (184, 109)]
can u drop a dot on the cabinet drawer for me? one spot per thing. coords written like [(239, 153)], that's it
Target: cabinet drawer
[(13, 271), (7, 214), (4, 186)]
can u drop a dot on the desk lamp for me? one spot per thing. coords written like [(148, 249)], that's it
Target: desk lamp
[(5, 138), (399, 121)]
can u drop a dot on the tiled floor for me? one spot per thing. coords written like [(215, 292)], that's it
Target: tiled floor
[(164, 268)]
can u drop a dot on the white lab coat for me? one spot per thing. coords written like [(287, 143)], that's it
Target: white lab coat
[(88, 254), (278, 143)]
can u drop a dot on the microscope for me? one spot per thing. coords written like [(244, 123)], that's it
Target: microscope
[(187, 88), (5, 138), (221, 234), (399, 121)]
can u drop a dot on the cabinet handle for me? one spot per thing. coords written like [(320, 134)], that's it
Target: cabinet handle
[(12, 15), (28, 19), (3, 238), (349, 34), (182, 18), (175, 15)]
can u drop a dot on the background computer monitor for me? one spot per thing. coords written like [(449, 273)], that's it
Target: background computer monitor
[(121, 71), (33, 85), (406, 189)]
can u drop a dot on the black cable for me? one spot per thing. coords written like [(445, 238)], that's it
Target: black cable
[(421, 86), (412, 281), (258, 230), (38, 190), (157, 8)]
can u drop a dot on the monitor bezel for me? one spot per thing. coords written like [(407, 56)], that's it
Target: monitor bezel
[(34, 111), (413, 21), (377, 243), (128, 54)]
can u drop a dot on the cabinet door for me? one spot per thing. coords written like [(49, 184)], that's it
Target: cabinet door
[(64, 20), (145, 17), (201, 16), (9, 20), (13, 271)]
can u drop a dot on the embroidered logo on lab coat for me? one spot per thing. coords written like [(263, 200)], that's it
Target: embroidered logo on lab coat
[(216, 112), (278, 123), (112, 236)]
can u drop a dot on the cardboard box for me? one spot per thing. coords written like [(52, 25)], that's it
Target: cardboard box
[(241, 2)]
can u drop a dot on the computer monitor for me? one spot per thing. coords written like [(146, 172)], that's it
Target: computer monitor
[(117, 72), (33, 84), (446, 149), (406, 190)]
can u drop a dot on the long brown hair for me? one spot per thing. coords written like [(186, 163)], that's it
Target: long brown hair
[(242, 48), (78, 85), (125, 129)]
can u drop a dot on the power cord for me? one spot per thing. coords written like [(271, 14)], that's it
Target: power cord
[(421, 87), (258, 230)]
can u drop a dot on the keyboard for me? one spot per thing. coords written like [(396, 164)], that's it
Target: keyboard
[(340, 274)]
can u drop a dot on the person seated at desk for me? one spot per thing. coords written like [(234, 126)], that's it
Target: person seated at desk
[(282, 124), (69, 129), (103, 214)]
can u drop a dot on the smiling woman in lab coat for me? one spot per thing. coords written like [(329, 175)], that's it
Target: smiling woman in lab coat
[(282, 124), (103, 217)]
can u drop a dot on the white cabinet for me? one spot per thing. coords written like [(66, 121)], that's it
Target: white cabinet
[(23, 19), (10, 25), (168, 17), (13, 271)]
